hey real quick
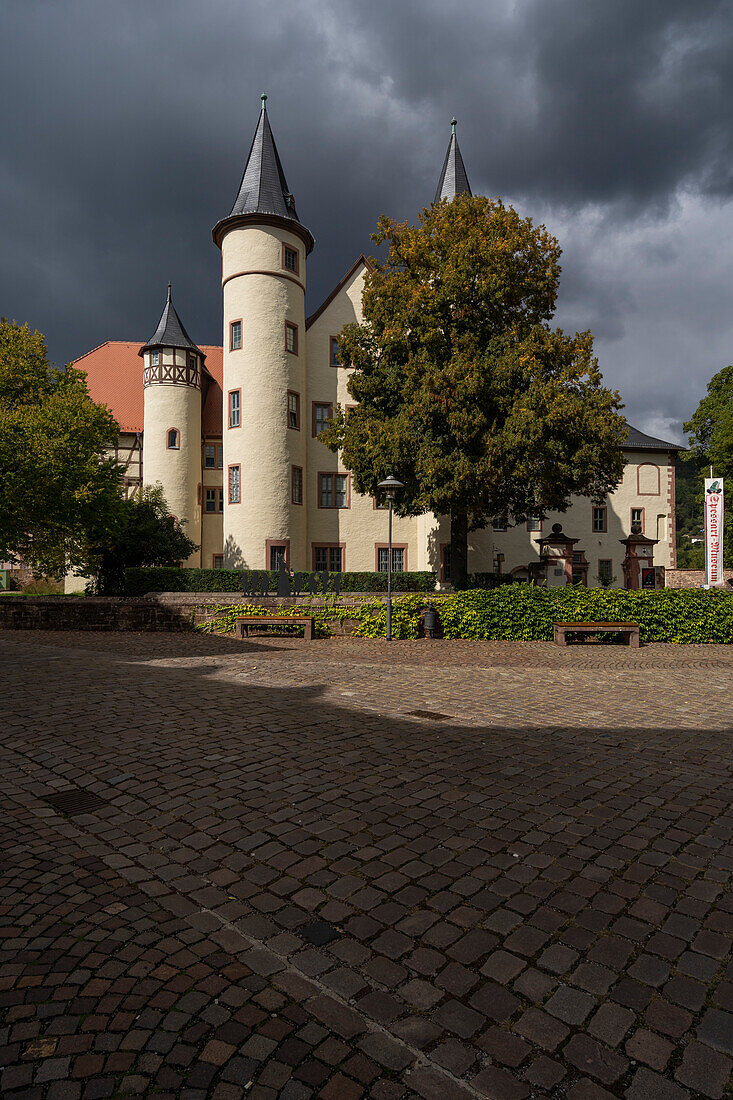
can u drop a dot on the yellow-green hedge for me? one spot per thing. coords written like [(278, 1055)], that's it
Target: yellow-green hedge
[(520, 612)]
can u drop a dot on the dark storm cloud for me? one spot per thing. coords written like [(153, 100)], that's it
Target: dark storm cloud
[(125, 126)]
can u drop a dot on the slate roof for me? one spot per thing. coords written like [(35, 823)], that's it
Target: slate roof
[(170, 332), (453, 177), (638, 441), (264, 189)]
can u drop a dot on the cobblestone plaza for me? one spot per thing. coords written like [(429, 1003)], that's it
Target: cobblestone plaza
[(346, 869)]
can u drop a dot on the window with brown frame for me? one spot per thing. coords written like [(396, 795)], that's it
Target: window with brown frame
[(296, 484), (637, 516), (334, 352), (235, 490), (399, 558), (213, 456), (333, 490), (322, 413), (235, 408), (276, 553), (599, 519), (294, 410), (291, 338), (173, 439), (235, 335), (329, 557), (218, 561), (214, 500), (534, 523), (291, 259), (605, 571), (154, 358)]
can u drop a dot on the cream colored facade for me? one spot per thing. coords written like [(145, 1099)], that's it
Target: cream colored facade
[(281, 502)]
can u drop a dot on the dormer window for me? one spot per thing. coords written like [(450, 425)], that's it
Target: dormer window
[(290, 259), (154, 358)]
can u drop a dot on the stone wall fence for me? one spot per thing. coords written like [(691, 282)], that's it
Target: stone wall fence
[(692, 578)]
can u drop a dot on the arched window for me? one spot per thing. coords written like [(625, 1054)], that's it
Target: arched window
[(173, 439)]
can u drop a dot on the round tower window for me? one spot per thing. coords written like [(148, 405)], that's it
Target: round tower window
[(174, 439)]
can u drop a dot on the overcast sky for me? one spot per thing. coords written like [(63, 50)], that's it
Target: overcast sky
[(125, 124)]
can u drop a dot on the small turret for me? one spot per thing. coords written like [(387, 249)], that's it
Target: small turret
[(173, 368)]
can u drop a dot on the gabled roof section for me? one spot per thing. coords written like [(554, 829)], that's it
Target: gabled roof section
[(638, 441), (453, 177), (170, 332), (264, 190), (361, 261)]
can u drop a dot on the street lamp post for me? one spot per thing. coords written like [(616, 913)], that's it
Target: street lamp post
[(390, 486)]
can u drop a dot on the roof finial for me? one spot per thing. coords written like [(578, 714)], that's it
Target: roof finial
[(263, 97), (169, 291), (453, 124)]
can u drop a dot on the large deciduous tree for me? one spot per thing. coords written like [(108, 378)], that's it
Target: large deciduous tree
[(463, 390), (59, 492), (710, 431)]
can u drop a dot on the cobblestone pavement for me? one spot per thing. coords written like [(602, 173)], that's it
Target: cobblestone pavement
[(291, 884)]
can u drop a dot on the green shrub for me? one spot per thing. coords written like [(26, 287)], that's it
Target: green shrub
[(170, 579), (520, 612)]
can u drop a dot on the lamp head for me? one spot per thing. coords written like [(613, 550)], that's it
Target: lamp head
[(390, 486)]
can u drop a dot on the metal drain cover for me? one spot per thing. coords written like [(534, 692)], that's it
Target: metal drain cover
[(75, 800), (433, 715), (318, 932)]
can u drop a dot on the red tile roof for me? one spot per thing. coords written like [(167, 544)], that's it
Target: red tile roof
[(114, 373)]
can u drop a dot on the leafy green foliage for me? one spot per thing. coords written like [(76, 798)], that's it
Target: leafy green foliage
[(711, 444), (140, 581), (147, 536), (689, 493), (59, 493), (523, 613), (463, 390)]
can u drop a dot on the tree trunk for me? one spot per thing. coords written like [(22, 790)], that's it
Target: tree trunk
[(459, 550)]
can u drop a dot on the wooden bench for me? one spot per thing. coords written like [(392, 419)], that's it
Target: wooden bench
[(242, 624), (561, 631)]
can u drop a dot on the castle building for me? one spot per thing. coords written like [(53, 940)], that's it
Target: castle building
[(231, 432)]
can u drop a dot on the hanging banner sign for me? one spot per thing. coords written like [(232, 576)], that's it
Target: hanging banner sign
[(714, 529)]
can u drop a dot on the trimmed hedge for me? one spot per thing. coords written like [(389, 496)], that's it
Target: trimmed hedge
[(170, 579), (521, 612)]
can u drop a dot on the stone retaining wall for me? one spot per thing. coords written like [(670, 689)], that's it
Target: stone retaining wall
[(88, 613), (156, 611), (692, 578)]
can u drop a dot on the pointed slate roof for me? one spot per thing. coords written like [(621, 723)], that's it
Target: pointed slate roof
[(264, 189), (453, 177), (170, 332)]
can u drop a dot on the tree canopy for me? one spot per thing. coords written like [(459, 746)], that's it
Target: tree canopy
[(710, 431), (59, 492), (463, 390), (146, 535)]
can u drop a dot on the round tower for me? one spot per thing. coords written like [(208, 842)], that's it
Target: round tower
[(173, 367), (265, 416)]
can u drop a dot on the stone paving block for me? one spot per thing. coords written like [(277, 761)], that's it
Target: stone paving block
[(647, 1085), (593, 1058), (716, 1030), (704, 1070), (500, 1084)]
